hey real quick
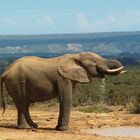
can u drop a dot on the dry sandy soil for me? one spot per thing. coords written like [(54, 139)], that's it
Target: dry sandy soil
[(46, 117)]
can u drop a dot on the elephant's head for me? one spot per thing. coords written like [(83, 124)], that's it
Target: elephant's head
[(81, 67)]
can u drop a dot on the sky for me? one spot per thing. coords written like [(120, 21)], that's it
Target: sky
[(68, 16)]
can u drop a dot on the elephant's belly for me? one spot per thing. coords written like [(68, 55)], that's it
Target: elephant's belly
[(41, 92), (41, 96)]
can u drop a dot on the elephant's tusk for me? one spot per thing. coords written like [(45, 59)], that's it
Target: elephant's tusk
[(124, 71), (114, 70)]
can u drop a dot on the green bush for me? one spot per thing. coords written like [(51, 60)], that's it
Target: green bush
[(100, 108), (119, 90)]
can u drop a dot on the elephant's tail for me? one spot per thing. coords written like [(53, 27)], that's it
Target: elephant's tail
[(2, 97)]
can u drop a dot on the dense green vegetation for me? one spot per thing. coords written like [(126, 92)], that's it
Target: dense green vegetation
[(119, 90)]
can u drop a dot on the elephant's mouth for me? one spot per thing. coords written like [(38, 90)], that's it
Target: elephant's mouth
[(100, 73)]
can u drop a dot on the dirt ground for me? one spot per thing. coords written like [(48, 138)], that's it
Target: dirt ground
[(46, 118)]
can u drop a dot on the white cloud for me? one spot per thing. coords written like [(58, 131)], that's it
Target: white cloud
[(6, 22), (39, 20), (117, 22), (26, 24)]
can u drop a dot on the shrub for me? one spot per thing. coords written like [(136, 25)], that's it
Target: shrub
[(100, 108)]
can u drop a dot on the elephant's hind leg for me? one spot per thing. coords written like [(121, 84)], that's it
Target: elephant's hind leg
[(28, 118), (24, 120), (21, 104), (21, 121), (21, 114), (15, 92)]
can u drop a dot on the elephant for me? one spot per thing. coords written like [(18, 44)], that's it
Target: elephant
[(33, 79)]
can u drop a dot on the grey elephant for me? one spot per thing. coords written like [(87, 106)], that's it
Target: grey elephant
[(32, 79)]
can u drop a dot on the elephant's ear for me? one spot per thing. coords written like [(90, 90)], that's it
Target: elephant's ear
[(69, 67)]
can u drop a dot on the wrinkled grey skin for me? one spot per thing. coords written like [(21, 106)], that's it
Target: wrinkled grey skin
[(34, 79)]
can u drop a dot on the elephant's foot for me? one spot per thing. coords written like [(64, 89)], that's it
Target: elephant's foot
[(23, 126), (61, 128), (33, 125)]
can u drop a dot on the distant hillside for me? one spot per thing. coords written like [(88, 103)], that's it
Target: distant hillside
[(113, 43)]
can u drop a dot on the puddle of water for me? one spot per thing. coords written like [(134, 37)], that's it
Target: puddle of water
[(124, 131)]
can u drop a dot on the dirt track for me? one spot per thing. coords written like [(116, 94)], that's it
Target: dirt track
[(47, 119)]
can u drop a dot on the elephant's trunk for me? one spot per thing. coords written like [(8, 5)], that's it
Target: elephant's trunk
[(113, 67)]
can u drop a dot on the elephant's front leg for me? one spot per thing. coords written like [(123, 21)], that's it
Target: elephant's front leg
[(65, 98)]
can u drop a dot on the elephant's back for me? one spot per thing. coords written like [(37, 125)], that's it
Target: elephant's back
[(18, 64), (30, 64)]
